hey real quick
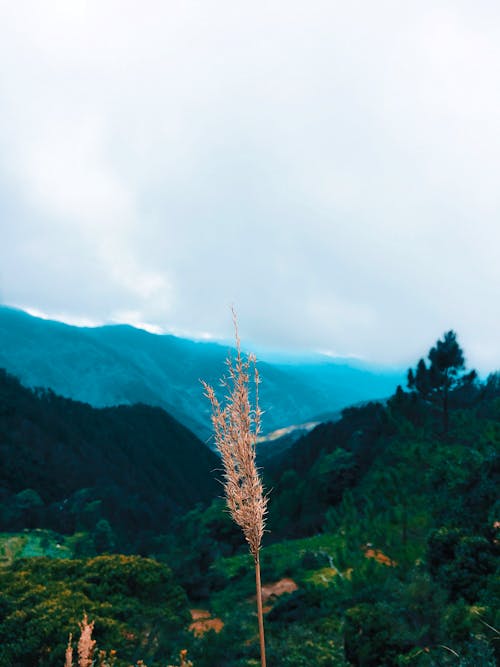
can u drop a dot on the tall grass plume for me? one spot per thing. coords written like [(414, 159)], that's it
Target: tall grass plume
[(236, 422)]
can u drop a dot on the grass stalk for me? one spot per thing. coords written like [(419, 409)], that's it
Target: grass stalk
[(236, 425), (260, 613)]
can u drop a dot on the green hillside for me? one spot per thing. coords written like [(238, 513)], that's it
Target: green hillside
[(395, 511), (383, 545), (121, 473)]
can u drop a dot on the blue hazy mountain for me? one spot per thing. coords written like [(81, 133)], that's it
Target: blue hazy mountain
[(119, 364)]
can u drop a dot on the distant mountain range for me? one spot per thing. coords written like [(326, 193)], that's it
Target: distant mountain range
[(119, 364)]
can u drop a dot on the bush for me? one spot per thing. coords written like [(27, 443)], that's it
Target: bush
[(138, 608)]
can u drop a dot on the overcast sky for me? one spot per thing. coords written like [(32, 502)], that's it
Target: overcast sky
[(331, 168)]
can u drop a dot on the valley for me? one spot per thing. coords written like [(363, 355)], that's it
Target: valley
[(381, 542)]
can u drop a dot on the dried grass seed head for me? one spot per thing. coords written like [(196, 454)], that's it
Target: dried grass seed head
[(236, 428)]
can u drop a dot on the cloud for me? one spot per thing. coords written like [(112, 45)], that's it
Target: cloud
[(330, 169)]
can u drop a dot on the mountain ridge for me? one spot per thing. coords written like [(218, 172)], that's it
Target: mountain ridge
[(120, 364)]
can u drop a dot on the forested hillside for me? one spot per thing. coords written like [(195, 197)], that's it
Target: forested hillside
[(394, 515), (70, 467), (383, 545)]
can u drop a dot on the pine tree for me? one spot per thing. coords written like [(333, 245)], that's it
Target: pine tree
[(445, 373)]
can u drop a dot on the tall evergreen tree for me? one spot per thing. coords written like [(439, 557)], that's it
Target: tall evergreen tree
[(447, 361), (423, 379), (444, 374)]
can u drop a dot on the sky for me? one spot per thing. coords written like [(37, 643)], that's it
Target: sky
[(329, 168)]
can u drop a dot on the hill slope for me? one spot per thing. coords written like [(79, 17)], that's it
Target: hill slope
[(66, 465), (114, 365)]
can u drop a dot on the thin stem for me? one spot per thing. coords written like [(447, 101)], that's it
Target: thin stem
[(260, 613), (236, 425)]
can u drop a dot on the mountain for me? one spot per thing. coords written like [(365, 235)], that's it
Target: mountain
[(119, 364), (65, 465), (381, 546)]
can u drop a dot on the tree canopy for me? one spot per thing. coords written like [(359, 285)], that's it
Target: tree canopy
[(444, 374)]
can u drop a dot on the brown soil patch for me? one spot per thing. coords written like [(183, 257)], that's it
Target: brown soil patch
[(203, 622), (380, 557), (273, 590), (277, 588)]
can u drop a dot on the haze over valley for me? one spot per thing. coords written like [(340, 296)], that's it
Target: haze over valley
[(115, 365)]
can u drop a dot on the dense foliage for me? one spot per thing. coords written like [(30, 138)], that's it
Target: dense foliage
[(384, 531), (120, 473), (409, 570), (135, 602)]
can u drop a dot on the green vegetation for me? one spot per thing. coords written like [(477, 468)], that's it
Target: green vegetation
[(383, 551), (119, 474), (135, 603), (34, 543)]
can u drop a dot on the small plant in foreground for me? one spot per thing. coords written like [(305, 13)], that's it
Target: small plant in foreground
[(86, 648), (236, 427), (86, 645)]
